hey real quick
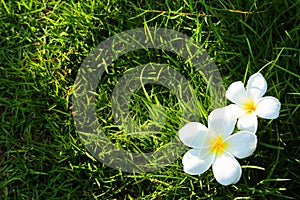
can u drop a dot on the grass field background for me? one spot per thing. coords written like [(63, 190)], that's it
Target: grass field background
[(42, 45)]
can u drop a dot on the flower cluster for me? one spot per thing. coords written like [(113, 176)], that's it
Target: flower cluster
[(215, 145)]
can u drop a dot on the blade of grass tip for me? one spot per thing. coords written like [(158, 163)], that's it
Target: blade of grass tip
[(250, 28), (143, 86), (147, 31), (271, 146), (276, 162), (247, 69), (253, 167), (250, 50), (273, 62), (288, 71), (276, 179), (139, 15)]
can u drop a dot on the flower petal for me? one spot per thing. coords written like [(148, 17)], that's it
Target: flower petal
[(194, 135), (241, 144), (248, 123), (236, 93), (257, 85), (268, 108), (197, 161), (226, 169), (222, 121), (236, 110)]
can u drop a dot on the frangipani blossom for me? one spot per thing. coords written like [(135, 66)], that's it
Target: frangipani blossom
[(250, 103), (215, 146)]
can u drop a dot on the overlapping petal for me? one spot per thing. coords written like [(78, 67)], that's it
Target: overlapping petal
[(268, 108), (226, 169), (236, 93), (194, 135), (241, 144), (197, 161), (221, 121), (236, 110), (248, 122), (257, 85)]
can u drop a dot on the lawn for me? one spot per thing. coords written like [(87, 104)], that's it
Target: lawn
[(42, 46)]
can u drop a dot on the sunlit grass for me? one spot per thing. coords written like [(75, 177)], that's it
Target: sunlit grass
[(42, 45)]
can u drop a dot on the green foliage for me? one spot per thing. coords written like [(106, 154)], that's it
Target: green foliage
[(42, 45)]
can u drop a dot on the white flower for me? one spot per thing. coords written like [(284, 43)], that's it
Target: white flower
[(216, 146), (249, 102)]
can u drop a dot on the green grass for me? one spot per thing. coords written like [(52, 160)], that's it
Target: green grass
[(42, 45)]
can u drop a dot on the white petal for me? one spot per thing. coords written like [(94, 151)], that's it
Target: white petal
[(197, 161), (222, 121), (226, 169), (194, 135), (248, 123), (257, 85), (241, 144), (236, 93), (268, 108), (236, 110)]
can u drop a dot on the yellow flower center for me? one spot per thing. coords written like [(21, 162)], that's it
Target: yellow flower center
[(250, 106), (218, 145)]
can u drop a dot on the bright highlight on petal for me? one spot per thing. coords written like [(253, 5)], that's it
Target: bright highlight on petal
[(257, 85), (248, 122), (222, 121), (194, 135), (268, 108), (249, 141), (226, 169), (236, 93), (196, 161)]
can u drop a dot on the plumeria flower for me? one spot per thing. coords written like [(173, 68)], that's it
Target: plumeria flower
[(215, 146), (250, 103)]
